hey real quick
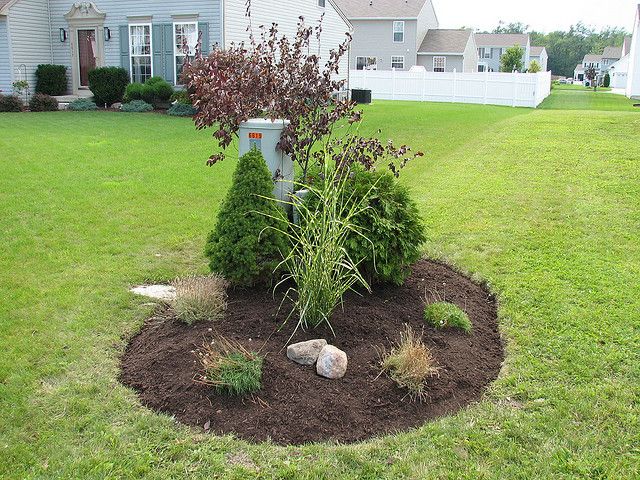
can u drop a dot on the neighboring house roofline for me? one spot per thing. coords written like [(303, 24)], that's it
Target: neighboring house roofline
[(452, 54), (341, 13), (4, 9)]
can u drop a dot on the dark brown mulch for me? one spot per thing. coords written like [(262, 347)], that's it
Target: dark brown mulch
[(295, 405)]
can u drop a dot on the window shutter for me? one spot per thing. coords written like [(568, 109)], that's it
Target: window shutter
[(167, 49), (158, 67), (206, 41), (125, 62)]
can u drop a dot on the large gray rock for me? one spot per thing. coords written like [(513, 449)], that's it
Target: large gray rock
[(332, 362), (306, 353)]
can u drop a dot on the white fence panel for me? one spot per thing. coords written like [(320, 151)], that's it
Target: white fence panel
[(490, 88)]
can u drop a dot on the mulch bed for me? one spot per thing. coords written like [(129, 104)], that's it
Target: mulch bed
[(296, 406)]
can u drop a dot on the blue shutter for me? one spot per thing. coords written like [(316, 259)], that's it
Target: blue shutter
[(125, 61), (168, 58), (203, 27), (158, 67)]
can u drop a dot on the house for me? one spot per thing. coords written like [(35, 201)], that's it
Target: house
[(633, 73), (387, 34), (143, 37), (618, 72), (491, 46), (445, 50), (539, 54), (591, 61), (578, 73)]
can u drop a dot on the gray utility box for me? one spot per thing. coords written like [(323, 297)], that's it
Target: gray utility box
[(264, 134)]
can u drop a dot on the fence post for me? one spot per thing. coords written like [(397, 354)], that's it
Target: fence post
[(424, 83), (455, 84), (515, 87), (486, 84), (393, 83)]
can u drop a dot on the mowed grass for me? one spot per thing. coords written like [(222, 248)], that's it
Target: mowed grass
[(541, 204), (577, 97)]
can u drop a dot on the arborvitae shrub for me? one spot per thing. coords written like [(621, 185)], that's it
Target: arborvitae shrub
[(43, 103), (108, 84), (607, 80), (51, 79), (244, 247), (392, 226), (10, 103)]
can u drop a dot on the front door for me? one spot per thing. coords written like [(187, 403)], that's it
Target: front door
[(86, 54)]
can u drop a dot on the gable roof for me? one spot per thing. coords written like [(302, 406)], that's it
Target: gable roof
[(4, 6), (537, 51), (612, 52), (579, 68), (592, 58), (445, 41), (502, 39), (407, 9)]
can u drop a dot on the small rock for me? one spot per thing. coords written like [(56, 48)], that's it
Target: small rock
[(306, 353), (332, 362), (160, 292)]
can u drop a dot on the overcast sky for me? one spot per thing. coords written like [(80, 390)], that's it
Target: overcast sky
[(541, 15)]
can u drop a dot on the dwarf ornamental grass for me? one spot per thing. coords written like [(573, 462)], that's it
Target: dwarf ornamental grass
[(229, 367), (200, 298), (409, 363)]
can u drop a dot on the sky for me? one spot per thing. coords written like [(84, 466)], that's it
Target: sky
[(540, 15)]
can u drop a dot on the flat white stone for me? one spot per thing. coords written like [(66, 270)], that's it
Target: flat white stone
[(306, 353), (159, 292)]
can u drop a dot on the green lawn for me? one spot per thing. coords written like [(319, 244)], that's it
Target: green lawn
[(543, 204), (577, 97)]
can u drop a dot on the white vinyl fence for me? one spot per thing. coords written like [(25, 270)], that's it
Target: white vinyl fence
[(489, 88)]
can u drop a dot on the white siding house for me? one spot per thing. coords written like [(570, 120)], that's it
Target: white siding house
[(633, 75), (491, 46), (539, 54), (285, 13)]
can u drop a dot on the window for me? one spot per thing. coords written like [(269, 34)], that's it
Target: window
[(140, 52), (484, 52), (482, 67), (397, 62), (439, 64), (366, 63), (398, 32), (185, 37), (321, 3)]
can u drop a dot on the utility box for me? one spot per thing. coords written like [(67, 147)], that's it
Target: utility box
[(264, 134)]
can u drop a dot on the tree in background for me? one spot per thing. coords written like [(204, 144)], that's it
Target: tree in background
[(590, 74), (567, 48), (513, 27), (511, 60), (534, 67)]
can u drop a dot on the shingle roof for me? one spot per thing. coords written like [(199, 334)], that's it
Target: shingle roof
[(502, 39), (537, 51), (592, 58), (612, 52), (3, 3), (445, 41), (381, 8), (579, 67)]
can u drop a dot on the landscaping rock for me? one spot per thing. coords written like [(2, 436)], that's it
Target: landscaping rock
[(332, 362), (159, 292), (306, 353)]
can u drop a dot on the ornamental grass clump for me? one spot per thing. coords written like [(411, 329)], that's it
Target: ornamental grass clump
[(447, 315), (410, 364), (229, 367), (200, 298), (319, 263)]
